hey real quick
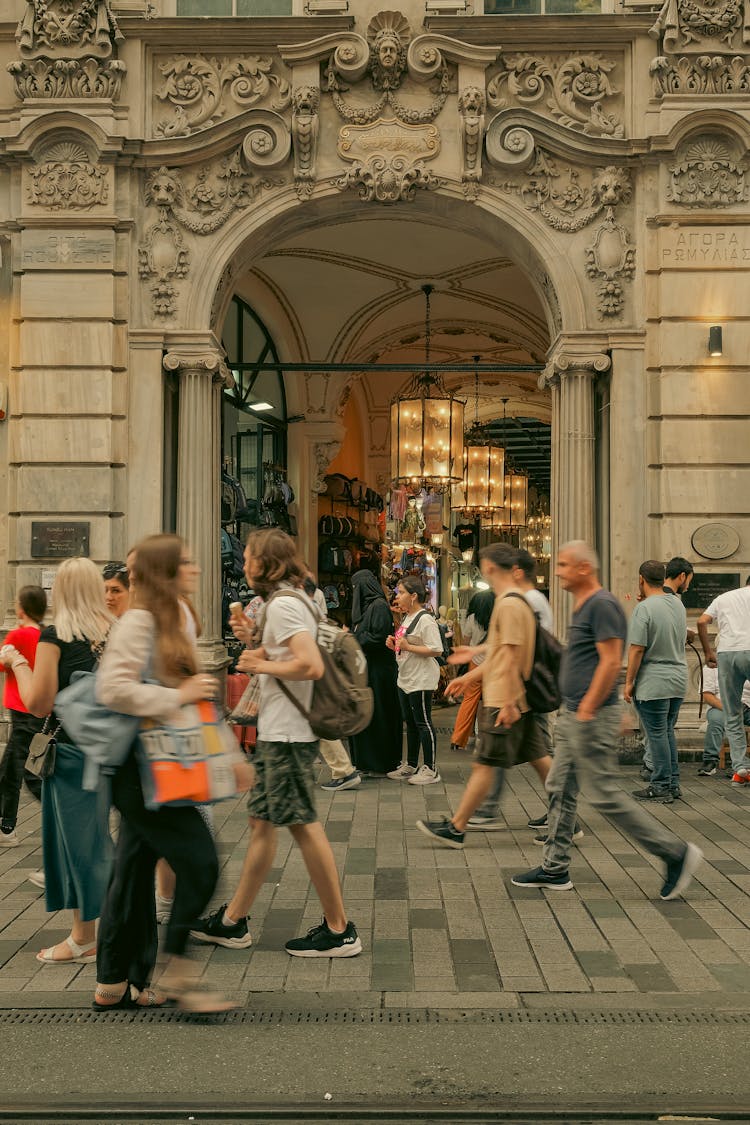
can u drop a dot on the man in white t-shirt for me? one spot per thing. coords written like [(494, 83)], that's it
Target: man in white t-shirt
[(285, 754), (731, 614), (715, 728)]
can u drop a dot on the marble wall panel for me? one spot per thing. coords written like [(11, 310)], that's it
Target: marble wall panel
[(715, 294), (698, 441), (699, 390), (79, 488), (706, 493), (672, 537), (68, 343), (42, 390), (81, 296), (63, 440), (676, 343)]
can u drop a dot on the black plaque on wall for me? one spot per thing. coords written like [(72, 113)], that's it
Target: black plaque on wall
[(59, 539), (705, 587)]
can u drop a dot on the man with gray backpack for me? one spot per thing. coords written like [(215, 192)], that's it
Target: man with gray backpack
[(311, 686)]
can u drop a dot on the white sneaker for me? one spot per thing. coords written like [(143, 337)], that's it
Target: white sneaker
[(403, 773), (424, 776), (37, 878), (487, 823), (9, 839)]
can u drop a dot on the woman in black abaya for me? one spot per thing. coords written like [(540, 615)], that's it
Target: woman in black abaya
[(378, 748)]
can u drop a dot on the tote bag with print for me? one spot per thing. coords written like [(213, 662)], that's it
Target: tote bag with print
[(189, 761)]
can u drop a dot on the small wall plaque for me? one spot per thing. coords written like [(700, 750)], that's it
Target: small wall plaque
[(59, 540), (715, 540), (705, 587)]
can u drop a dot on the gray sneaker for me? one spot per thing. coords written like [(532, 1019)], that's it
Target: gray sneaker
[(403, 773), (486, 823)]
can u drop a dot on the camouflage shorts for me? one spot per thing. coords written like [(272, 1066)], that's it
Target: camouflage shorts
[(284, 790)]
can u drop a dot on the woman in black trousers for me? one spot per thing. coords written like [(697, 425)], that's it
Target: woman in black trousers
[(150, 641)]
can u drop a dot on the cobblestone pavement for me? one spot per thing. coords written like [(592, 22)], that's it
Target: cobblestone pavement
[(446, 928)]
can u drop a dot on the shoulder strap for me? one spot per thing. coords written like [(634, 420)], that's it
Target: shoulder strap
[(532, 611), (412, 627)]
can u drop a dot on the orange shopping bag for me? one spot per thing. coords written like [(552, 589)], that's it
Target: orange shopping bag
[(189, 761)]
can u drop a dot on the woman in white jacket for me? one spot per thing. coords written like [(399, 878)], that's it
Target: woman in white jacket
[(150, 641)]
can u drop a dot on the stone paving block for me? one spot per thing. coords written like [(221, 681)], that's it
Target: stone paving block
[(392, 978), (426, 919), (597, 964), (391, 950), (730, 978), (651, 978)]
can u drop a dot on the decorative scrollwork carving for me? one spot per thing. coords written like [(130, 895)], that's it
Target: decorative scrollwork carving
[(267, 143), (562, 200), (471, 106), (575, 90), (199, 87), (70, 27), (305, 132), (704, 74), (610, 259), (512, 147), (162, 258), (66, 178), (388, 63), (385, 179), (67, 78), (707, 23), (707, 174)]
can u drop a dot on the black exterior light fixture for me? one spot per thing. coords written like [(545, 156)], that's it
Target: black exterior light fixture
[(715, 342)]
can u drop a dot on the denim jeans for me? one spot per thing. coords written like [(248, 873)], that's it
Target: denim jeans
[(734, 669), (715, 730), (659, 717), (586, 759)]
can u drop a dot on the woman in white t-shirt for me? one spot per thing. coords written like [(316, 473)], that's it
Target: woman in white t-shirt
[(417, 643)]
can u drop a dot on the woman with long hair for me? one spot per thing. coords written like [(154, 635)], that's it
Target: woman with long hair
[(151, 642), (377, 749), (475, 633), (417, 643), (76, 845), (116, 587)]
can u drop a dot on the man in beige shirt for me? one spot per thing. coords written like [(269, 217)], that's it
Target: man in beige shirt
[(508, 731)]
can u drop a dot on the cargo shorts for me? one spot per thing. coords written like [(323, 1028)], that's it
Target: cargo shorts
[(284, 790)]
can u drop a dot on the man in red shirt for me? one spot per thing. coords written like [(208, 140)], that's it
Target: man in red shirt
[(30, 610)]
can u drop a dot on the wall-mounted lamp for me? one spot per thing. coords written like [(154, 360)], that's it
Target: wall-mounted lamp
[(715, 340)]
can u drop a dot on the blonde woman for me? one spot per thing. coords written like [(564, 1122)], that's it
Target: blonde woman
[(77, 848)]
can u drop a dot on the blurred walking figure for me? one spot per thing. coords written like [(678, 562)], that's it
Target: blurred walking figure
[(31, 606), (151, 637), (377, 750), (731, 613), (77, 849), (474, 634)]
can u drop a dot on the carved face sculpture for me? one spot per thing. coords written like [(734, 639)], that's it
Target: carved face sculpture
[(305, 99), (162, 188), (611, 186), (472, 100), (388, 51)]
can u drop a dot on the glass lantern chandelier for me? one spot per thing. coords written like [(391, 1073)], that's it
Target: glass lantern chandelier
[(516, 510), (427, 427), (481, 492), (538, 538)]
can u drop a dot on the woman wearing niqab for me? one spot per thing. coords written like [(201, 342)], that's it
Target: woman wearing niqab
[(377, 749)]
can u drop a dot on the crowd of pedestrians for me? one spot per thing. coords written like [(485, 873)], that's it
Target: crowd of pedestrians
[(136, 629)]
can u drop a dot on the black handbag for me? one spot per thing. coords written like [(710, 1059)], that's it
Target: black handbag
[(42, 751)]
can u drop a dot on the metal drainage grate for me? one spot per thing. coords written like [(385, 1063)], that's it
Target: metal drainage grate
[(404, 1017)]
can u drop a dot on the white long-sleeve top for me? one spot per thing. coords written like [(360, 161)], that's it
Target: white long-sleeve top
[(127, 659)]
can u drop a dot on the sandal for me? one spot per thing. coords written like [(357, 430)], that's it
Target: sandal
[(131, 998), (80, 956)]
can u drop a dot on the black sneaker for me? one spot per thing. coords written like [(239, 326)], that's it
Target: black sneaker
[(708, 769), (680, 872), (538, 877), (651, 794), (442, 832), (213, 931), (676, 793), (322, 942), (540, 822)]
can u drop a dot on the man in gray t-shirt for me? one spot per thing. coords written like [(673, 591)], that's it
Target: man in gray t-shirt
[(656, 678)]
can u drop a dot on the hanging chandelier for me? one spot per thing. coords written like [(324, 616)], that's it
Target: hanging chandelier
[(516, 509), (538, 538), (427, 427), (482, 490)]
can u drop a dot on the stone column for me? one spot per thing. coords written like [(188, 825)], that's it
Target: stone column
[(202, 373), (571, 375)]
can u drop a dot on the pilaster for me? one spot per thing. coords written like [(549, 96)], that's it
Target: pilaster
[(312, 447), (198, 361)]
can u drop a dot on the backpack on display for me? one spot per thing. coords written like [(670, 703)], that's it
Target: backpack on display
[(342, 703), (542, 687), (443, 658)]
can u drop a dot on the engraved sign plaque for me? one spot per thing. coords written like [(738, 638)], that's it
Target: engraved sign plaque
[(705, 587), (59, 539), (715, 540)]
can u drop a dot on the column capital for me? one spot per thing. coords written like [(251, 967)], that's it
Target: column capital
[(568, 361), (200, 352)]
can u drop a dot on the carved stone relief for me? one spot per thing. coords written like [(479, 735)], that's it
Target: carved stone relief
[(701, 25), (575, 91), (388, 159), (65, 178), (705, 74), (67, 50), (610, 260), (707, 174), (472, 103), (305, 132), (323, 453), (564, 198), (199, 202), (203, 90)]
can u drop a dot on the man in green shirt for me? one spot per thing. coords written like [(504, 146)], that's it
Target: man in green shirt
[(656, 678)]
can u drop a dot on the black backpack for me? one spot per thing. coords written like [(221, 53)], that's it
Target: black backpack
[(443, 658), (542, 687)]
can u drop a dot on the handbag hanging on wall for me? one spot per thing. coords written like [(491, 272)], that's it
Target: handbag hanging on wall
[(42, 751)]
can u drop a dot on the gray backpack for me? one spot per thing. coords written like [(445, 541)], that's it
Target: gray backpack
[(342, 703)]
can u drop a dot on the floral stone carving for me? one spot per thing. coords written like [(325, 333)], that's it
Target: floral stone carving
[(305, 132), (610, 259), (702, 25), (707, 174), (472, 104), (162, 259), (565, 202), (67, 49), (66, 178), (388, 159), (704, 74), (573, 90), (200, 89)]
